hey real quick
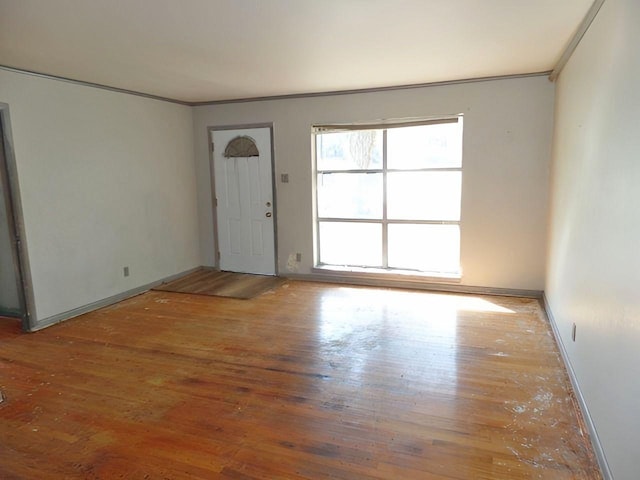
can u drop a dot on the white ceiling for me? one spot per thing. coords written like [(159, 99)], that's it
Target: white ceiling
[(203, 50)]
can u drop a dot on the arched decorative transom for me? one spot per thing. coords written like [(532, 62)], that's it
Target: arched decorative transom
[(241, 146)]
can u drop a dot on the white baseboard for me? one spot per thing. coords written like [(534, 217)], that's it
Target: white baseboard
[(398, 282), (60, 317), (593, 434)]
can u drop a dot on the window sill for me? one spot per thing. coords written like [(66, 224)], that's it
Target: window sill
[(384, 274)]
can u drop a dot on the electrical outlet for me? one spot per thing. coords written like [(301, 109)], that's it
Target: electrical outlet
[(298, 257), (573, 332), (126, 271), (284, 177)]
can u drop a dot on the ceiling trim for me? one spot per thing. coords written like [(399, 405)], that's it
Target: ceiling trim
[(577, 37), (372, 90), (275, 97), (91, 84)]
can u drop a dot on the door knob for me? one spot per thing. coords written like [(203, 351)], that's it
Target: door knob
[(268, 214)]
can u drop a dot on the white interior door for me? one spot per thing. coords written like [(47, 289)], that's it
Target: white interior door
[(244, 200)]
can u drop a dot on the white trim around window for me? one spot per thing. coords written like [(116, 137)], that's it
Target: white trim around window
[(388, 197)]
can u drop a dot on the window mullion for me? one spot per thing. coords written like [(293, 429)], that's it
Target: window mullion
[(385, 231)]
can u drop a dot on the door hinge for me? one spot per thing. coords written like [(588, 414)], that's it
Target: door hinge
[(218, 255), (213, 146), (215, 202)]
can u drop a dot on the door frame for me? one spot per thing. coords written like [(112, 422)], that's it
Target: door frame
[(16, 223), (210, 131)]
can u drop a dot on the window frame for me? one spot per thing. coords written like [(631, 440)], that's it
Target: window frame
[(384, 170)]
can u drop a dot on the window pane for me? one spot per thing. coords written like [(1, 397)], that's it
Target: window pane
[(350, 195), (428, 248), (355, 150), (355, 244), (424, 195), (425, 146)]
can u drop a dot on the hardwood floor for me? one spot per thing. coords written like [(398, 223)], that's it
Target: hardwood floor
[(309, 381)]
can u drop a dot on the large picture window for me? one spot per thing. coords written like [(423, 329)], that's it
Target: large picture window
[(388, 196)]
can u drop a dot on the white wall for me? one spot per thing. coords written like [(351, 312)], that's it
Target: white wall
[(106, 180), (593, 274), (507, 145)]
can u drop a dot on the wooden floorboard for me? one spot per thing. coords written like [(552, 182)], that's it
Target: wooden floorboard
[(309, 381)]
